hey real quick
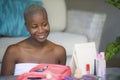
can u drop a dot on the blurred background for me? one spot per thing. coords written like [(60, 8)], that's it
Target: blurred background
[(111, 28)]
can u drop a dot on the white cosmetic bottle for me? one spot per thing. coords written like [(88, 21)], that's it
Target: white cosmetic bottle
[(101, 66)]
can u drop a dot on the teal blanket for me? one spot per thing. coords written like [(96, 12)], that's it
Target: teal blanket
[(12, 16)]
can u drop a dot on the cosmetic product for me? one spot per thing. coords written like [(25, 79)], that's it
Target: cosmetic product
[(88, 76), (88, 68), (95, 67), (101, 66)]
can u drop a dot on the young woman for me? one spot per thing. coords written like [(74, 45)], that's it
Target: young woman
[(36, 49)]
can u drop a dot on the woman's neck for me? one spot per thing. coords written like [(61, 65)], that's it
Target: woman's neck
[(36, 43)]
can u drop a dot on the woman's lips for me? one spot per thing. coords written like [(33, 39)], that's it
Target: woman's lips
[(42, 36)]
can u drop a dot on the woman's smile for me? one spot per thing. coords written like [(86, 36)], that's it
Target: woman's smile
[(41, 37)]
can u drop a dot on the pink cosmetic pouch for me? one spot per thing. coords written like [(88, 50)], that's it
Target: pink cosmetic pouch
[(47, 72)]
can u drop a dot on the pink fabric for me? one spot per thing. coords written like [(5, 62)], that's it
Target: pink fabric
[(47, 71)]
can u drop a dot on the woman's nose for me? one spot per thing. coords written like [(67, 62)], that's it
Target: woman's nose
[(40, 29)]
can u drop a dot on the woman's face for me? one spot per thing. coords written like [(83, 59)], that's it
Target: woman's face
[(38, 26)]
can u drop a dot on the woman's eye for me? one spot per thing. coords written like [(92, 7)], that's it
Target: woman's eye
[(44, 25), (34, 26)]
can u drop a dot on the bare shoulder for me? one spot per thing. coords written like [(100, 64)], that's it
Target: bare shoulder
[(59, 49), (60, 53), (9, 59), (12, 50), (12, 47)]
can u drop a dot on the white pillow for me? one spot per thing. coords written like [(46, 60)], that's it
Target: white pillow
[(56, 10)]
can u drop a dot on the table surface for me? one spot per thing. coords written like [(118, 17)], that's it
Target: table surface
[(112, 74), (8, 77)]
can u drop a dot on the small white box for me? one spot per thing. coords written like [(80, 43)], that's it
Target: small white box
[(84, 53)]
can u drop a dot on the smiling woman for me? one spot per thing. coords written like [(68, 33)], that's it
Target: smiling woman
[(36, 48), (56, 10)]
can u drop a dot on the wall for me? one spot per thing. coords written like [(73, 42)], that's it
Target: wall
[(111, 28)]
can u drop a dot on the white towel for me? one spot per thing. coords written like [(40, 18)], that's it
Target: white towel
[(21, 68)]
